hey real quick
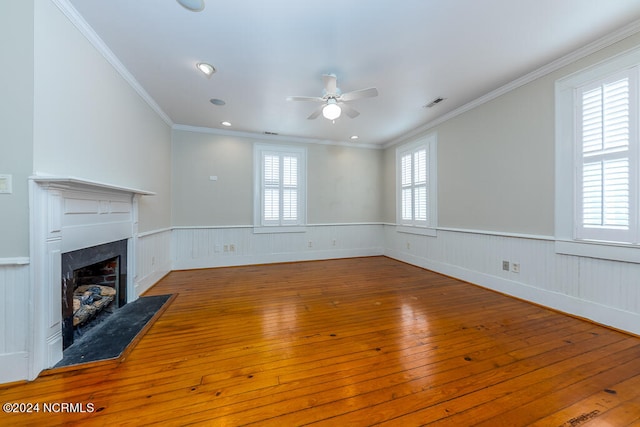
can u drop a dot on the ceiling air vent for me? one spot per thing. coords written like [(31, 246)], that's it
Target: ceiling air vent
[(434, 102), (270, 133)]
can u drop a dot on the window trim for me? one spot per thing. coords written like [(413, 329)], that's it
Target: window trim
[(259, 224), (566, 154), (428, 227)]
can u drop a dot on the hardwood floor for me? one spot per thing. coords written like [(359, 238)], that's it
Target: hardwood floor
[(365, 341)]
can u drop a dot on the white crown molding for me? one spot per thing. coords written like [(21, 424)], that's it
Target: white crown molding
[(85, 29), (272, 138), (75, 18), (572, 57)]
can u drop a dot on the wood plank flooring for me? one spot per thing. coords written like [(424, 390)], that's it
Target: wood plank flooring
[(352, 342)]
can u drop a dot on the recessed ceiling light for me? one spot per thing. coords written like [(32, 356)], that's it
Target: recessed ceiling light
[(354, 137), (206, 69), (216, 101), (225, 124), (192, 5)]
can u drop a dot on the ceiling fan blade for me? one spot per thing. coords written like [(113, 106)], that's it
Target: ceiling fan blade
[(316, 113), (330, 83), (305, 98), (361, 93), (349, 111)]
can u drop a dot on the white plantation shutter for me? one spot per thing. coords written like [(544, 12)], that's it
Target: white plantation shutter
[(290, 188), (414, 190), (271, 171), (606, 176), (271, 204), (280, 185), (420, 185), (407, 190)]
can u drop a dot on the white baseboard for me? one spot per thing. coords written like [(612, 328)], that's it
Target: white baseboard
[(144, 284), (208, 247), (14, 367)]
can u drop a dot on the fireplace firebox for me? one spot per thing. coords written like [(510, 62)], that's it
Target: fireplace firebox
[(94, 282)]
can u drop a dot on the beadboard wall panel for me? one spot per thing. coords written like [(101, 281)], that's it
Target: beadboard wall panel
[(604, 291), (153, 259), (14, 321), (205, 247)]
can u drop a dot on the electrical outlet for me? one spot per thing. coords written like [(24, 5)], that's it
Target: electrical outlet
[(310, 244), (505, 265), (232, 248), (408, 245), (334, 242), (515, 267), (226, 248)]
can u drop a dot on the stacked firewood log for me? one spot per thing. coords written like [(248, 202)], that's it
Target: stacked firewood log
[(89, 300)]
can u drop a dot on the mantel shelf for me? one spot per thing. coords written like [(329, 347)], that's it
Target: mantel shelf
[(71, 181)]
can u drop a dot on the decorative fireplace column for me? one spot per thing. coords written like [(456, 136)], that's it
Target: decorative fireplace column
[(68, 214)]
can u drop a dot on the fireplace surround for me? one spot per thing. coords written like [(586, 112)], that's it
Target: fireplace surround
[(69, 214)]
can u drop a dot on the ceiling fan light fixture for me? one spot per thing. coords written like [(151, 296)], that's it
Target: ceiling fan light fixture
[(332, 110), (192, 5), (206, 69)]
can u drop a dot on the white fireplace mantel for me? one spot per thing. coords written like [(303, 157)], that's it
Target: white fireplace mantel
[(70, 213), (74, 182)]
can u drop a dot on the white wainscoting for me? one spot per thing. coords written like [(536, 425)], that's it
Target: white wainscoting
[(204, 247), (607, 292), (153, 259), (14, 319)]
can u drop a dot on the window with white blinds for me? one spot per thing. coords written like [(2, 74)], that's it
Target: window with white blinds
[(597, 160), (607, 159), (416, 183), (279, 185)]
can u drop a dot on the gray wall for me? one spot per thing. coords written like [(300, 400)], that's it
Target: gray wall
[(496, 162), (343, 183), (89, 122), (496, 165), (16, 123), (196, 199)]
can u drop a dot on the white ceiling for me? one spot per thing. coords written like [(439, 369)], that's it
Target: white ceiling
[(413, 51)]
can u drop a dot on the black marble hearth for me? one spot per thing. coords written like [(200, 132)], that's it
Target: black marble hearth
[(111, 337)]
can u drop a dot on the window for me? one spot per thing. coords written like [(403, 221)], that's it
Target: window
[(279, 195), (416, 166), (605, 146), (598, 159)]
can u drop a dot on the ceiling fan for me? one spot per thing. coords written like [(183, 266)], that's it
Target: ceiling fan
[(334, 100)]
